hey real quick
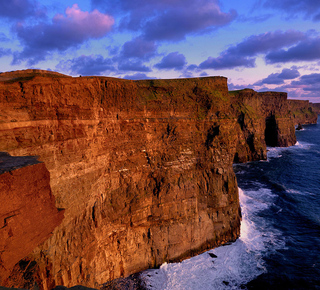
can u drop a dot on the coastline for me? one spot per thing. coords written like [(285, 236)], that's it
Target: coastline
[(136, 165)]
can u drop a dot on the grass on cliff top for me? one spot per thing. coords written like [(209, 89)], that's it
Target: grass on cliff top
[(247, 110), (186, 94)]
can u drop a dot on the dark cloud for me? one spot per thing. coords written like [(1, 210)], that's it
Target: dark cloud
[(271, 79), (289, 74), (266, 42), (311, 79), (173, 60), (227, 61), (192, 67), (20, 9), (306, 50), (168, 20), (309, 8), (175, 24), (242, 54), (62, 33), (278, 78), (87, 65), (129, 65), (139, 48), (316, 17)]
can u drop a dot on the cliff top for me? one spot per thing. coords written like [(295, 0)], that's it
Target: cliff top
[(28, 74)]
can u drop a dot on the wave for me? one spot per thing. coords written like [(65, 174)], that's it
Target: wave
[(231, 266)]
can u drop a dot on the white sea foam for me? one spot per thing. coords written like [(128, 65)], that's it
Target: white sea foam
[(236, 264), (276, 152)]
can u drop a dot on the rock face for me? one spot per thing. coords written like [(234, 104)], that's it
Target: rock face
[(302, 112), (270, 119), (27, 213), (315, 107), (143, 169)]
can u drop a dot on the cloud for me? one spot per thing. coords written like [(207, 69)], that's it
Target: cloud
[(165, 20), (271, 79), (87, 65), (137, 76), (306, 50), (243, 54), (289, 74), (65, 31), (3, 37), (309, 8), (139, 48), (5, 51), (175, 24), (266, 42), (20, 9), (173, 60), (129, 65), (233, 87), (227, 61), (278, 78), (255, 19), (306, 80)]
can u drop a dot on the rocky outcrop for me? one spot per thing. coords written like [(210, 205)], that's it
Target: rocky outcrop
[(315, 107), (27, 213), (302, 112), (143, 169)]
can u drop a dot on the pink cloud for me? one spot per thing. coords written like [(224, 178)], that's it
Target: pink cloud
[(64, 32), (90, 24)]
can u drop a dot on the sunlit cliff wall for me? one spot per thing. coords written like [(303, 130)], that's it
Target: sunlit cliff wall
[(143, 169)]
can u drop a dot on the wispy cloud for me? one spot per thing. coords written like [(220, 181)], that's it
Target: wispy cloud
[(309, 8), (87, 65), (243, 54)]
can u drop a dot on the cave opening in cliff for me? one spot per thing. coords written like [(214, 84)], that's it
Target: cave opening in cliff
[(271, 131)]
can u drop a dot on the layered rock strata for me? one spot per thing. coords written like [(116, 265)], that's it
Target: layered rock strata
[(27, 213), (143, 169), (270, 122)]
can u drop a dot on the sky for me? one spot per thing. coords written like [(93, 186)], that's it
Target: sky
[(260, 44)]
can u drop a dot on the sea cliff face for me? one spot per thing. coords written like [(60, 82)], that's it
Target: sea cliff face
[(143, 169), (303, 112)]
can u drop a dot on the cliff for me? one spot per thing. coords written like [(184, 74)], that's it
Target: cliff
[(270, 123), (315, 107), (143, 169), (27, 213), (302, 112)]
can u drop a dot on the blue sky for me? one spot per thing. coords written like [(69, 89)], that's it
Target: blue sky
[(259, 44)]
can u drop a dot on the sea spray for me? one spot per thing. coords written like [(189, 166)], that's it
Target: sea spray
[(231, 266)]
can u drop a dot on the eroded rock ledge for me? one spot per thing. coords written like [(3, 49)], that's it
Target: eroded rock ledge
[(27, 213), (143, 169)]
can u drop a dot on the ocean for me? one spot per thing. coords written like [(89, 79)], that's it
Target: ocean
[(279, 244)]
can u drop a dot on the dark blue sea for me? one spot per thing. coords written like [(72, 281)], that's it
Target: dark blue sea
[(279, 244)]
